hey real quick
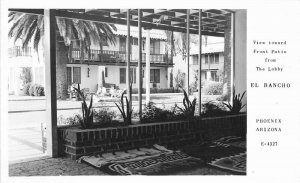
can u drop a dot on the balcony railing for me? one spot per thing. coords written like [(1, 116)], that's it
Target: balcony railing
[(18, 51), (108, 56)]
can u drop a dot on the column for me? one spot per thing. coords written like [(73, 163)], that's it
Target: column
[(140, 64), (128, 58), (199, 61), (147, 66), (50, 67), (188, 49), (227, 56)]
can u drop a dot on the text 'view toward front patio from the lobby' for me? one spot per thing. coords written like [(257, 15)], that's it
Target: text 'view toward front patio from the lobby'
[(127, 91)]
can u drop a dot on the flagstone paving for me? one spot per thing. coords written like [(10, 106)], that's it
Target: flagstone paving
[(68, 167)]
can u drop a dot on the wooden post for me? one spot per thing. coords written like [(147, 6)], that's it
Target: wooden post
[(50, 70), (200, 62), (188, 49), (232, 54), (172, 45), (148, 66), (140, 64), (128, 58)]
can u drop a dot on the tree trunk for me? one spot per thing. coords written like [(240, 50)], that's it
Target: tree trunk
[(61, 69)]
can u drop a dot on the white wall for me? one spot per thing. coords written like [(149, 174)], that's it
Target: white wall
[(241, 52), (91, 81), (114, 77)]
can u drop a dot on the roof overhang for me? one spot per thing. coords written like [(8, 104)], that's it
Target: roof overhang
[(214, 21)]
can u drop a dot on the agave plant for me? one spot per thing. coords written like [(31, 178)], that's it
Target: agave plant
[(237, 104), (189, 106), (87, 112), (126, 113)]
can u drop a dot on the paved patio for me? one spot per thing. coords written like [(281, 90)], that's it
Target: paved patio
[(64, 166)]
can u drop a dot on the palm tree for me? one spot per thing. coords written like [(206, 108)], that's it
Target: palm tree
[(29, 27)]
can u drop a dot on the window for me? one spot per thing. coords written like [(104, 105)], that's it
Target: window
[(195, 59), (77, 75), (133, 75), (155, 76), (122, 75), (122, 44), (106, 72), (205, 75), (157, 47), (134, 41), (217, 58), (206, 59), (212, 58), (143, 44), (214, 76), (69, 76), (154, 46)]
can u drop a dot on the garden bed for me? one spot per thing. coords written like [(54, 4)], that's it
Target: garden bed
[(74, 142)]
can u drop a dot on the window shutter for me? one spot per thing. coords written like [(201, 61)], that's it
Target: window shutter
[(152, 76), (122, 75), (216, 58), (212, 58), (77, 75), (69, 76), (157, 76)]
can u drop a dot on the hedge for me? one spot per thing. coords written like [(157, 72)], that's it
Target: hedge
[(213, 88)]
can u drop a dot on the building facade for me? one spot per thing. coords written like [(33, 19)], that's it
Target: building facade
[(96, 67)]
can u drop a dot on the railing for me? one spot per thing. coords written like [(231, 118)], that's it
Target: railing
[(119, 57), (18, 51)]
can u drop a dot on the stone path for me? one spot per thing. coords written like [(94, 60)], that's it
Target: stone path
[(67, 167)]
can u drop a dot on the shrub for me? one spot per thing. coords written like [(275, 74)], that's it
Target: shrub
[(26, 88), (87, 112), (26, 75), (72, 120), (237, 104), (104, 115), (31, 90), (213, 109), (158, 90), (34, 90), (189, 106), (213, 88), (151, 113), (39, 90), (179, 79), (126, 113)]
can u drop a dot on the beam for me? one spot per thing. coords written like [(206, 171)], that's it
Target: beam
[(50, 61), (96, 18), (140, 63), (128, 59), (29, 11), (200, 64), (188, 49)]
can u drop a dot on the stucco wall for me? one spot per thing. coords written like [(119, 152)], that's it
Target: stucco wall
[(241, 53), (91, 81), (114, 77)]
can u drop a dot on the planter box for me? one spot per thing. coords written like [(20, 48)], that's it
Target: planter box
[(74, 142)]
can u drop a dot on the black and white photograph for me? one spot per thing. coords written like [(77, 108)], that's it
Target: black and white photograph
[(125, 92), (152, 91)]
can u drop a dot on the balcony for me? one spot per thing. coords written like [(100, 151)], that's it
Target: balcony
[(107, 56), (18, 51)]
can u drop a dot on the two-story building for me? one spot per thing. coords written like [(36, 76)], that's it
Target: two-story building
[(19, 58), (109, 64), (99, 66), (212, 67)]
